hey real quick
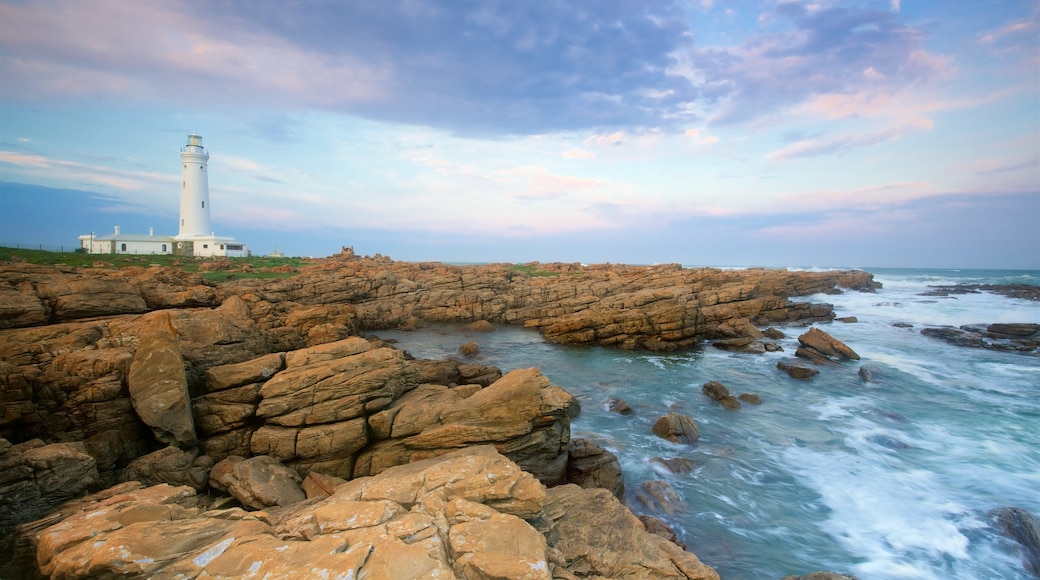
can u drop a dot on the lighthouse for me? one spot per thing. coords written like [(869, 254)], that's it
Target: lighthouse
[(194, 190), (195, 236)]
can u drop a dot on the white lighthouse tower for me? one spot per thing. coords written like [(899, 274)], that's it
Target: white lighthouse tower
[(194, 190)]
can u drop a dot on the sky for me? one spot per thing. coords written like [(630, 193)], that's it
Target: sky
[(888, 133)]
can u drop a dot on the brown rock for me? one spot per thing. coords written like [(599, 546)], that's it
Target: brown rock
[(470, 349), (752, 398), (718, 392), (676, 428), (257, 482), (826, 344), (619, 406), (590, 465), (599, 537), (797, 371), (159, 387), (478, 326), (170, 465), (677, 465)]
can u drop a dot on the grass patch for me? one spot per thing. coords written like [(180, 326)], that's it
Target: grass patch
[(531, 270), (247, 267)]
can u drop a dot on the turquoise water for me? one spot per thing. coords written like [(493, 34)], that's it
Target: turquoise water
[(885, 480)]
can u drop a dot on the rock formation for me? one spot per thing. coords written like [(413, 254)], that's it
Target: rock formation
[(1010, 337), (468, 514), (822, 348), (154, 375)]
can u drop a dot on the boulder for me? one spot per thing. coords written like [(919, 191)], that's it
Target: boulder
[(170, 465), (1024, 528), (597, 536), (619, 406), (478, 326), (818, 341), (257, 482), (660, 497), (35, 478), (522, 414), (590, 465), (797, 371), (868, 373), (719, 393), (752, 398), (158, 384), (469, 349), (676, 465), (676, 428)]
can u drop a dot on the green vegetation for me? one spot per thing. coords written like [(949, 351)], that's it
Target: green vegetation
[(230, 268), (531, 270)]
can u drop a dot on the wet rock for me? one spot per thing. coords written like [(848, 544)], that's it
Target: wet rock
[(676, 428), (846, 319), (660, 528), (818, 341), (869, 373), (797, 371), (1003, 337), (660, 497), (773, 333), (1024, 528), (676, 465), (469, 349), (478, 326), (619, 406), (752, 398), (718, 392), (590, 465)]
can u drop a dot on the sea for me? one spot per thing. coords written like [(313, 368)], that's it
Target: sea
[(889, 479)]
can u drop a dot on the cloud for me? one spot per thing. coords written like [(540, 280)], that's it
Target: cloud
[(802, 53), (815, 146), (469, 67)]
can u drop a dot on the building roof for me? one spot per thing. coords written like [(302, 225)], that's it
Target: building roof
[(131, 238)]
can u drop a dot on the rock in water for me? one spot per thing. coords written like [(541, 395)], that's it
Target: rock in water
[(676, 428), (825, 344), (159, 385), (590, 465), (797, 371), (718, 392), (1024, 528)]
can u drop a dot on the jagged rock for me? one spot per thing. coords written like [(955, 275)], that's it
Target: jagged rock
[(659, 527), (522, 414), (158, 384), (846, 319), (796, 370), (35, 478), (170, 465), (1004, 337), (599, 537), (453, 372), (619, 406), (773, 333), (676, 428), (83, 296), (660, 497), (820, 342), (318, 485), (718, 392), (590, 465), (464, 514), (1024, 528), (258, 482)]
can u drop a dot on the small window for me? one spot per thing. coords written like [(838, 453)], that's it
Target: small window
[(182, 223), (122, 247), (205, 245), (164, 247), (203, 205), (221, 246)]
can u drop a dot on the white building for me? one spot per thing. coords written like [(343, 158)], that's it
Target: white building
[(194, 238)]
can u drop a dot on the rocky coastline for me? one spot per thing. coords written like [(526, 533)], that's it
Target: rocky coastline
[(234, 429)]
